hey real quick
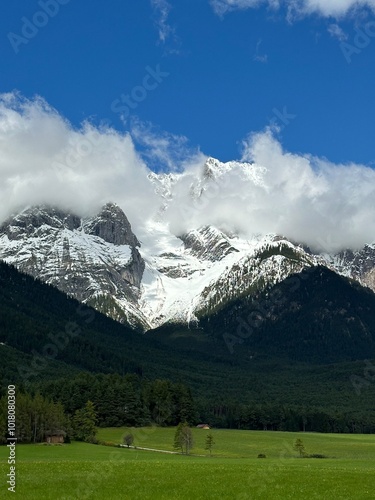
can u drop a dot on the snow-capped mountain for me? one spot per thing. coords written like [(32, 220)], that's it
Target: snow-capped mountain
[(359, 265), (95, 260), (156, 277)]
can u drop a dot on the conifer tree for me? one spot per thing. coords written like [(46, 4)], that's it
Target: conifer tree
[(84, 423)]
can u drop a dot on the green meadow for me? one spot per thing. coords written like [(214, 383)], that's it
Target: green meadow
[(85, 471)]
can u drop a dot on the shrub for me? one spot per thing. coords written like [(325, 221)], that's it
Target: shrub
[(107, 443), (92, 440)]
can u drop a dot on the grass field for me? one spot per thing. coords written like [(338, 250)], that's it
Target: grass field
[(81, 470), (248, 444)]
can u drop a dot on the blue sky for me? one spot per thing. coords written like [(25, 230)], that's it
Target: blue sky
[(228, 68)]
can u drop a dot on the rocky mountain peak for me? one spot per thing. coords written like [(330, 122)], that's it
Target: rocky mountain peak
[(95, 259), (175, 279), (112, 225), (208, 243), (33, 219), (210, 168)]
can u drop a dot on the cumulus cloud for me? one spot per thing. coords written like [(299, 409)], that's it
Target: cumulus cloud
[(326, 8), (325, 205), (44, 160), (307, 199)]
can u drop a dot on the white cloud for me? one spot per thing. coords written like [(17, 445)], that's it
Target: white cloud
[(335, 8), (223, 6), (161, 10), (309, 200), (326, 8), (43, 159), (163, 151), (337, 32), (325, 205)]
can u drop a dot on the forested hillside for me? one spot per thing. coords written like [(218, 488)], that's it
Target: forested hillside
[(263, 381)]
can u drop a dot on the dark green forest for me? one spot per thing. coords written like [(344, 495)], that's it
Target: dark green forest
[(291, 358)]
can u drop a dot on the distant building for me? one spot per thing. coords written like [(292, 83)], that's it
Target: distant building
[(56, 437), (203, 426)]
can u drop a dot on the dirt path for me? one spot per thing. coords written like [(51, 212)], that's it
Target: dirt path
[(149, 449), (159, 451)]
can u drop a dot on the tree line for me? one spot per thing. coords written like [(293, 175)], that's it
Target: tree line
[(291, 418), (75, 407), (38, 418), (128, 400)]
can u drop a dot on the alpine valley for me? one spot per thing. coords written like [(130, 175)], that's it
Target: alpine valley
[(241, 320)]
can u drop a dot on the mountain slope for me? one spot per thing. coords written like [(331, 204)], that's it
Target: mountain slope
[(316, 316), (35, 317), (47, 330), (162, 276), (99, 261), (95, 260), (358, 264)]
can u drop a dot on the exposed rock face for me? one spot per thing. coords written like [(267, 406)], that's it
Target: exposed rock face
[(359, 265), (208, 243), (270, 264), (134, 271), (112, 225), (362, 262), (95, 260), (98, 260), (30, 221)]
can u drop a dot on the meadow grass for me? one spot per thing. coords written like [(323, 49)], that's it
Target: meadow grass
[(248, 444), (81, 470)]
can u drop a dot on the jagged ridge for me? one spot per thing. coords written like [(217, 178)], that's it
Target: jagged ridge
[(99, 260)]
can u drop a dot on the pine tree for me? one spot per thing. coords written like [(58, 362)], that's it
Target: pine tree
[(84, 423), (162, 402)]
